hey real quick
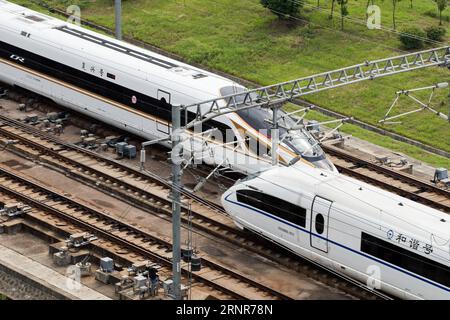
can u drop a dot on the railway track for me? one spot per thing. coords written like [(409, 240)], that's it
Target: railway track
[(152, 191), (151, 194), (398, 182), (140, 243)]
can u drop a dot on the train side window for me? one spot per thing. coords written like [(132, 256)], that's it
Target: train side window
[(164, 96), (405, 259), (111, 76), (320, 223), (273, 205)]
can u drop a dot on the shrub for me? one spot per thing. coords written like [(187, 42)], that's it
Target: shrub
[(435, 33), (282, 8), (412, 38)]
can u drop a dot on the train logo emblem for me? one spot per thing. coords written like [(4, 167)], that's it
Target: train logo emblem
[(17, 58), (390, 234)]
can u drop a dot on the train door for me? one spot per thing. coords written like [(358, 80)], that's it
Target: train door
[(320, 212), (163, 125)]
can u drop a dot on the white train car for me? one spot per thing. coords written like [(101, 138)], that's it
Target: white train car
[(132, 88), (380, 239)]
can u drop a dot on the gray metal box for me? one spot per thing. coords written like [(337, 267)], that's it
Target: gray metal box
[(130, 151), (120, 147), (441, 174), (107, 264)]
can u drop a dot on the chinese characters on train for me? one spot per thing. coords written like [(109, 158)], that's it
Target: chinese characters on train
[(410, 242), (93, 69)]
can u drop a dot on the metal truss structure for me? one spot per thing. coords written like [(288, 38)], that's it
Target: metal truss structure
[(423, 105), (277, 94)]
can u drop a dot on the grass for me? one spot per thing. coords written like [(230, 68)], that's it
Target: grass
[(386, 142), (244, 39)]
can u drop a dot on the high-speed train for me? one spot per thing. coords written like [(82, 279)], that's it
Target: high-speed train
[(133, 89), (385, 241)]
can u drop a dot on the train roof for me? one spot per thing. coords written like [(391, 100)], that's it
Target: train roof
[(122, 55), (345, 191)]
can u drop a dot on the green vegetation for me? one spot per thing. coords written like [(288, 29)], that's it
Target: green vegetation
[(3, 297), (435, 33), (245, 39), (412, 38), (282, 9), (386, 142)]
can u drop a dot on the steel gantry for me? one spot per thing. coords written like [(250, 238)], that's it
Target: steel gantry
[(280, 93)]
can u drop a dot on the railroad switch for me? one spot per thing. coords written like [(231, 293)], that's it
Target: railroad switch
[(143, 268), (13, 209), (79, 240), (31, 119), (383, 159)]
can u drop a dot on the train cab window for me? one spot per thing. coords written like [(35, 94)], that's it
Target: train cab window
[(405, 259), (320, 223), (273, 205), (260, 120), (164, 97)]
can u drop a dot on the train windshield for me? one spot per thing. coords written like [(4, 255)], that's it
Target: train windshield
[(300, 141)]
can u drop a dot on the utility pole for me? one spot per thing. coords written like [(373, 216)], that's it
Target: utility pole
[(448, 99), (118, 11), (275, 136), (176, 205)]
